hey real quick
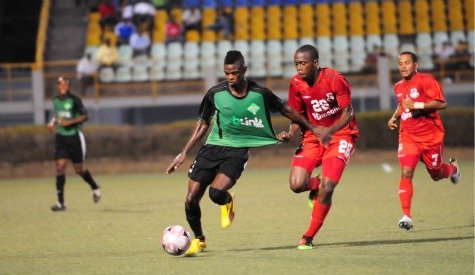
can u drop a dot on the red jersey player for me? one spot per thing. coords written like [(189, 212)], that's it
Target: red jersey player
[(421, 134), (324, 96)]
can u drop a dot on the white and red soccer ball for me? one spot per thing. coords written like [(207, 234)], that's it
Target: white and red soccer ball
[(176, 240)]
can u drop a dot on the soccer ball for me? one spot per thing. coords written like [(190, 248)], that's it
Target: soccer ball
[(175, 240)]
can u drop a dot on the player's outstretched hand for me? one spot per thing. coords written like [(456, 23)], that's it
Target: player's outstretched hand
[(177, 161), (284, 136)]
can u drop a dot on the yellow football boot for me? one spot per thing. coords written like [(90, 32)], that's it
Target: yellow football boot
[(196, 247), (227, 213)]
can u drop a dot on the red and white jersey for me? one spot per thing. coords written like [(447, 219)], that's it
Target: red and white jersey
[(428, 126), (321, 104)]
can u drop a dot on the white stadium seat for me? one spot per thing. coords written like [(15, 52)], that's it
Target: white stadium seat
[(289, 48), (341, 55), (174, 61), (257, 61), (106, 75), (123, 74), (424, 51), (324, 46), (274, 58), (357, 53), (192, 60)]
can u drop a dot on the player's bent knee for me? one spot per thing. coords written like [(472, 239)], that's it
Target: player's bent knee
[(296, 188), (218, 196)]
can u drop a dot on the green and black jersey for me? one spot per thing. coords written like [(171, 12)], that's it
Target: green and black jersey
[(240, 121), (68, 108)]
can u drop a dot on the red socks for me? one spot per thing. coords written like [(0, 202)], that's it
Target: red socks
[(319, 213), (405, 195)]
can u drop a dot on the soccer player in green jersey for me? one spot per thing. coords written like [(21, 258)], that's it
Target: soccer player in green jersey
[(240, 110), (69, 115)]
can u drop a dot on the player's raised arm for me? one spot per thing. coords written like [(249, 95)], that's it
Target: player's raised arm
[(199, 131)]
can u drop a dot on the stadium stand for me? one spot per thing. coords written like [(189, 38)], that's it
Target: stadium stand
[(268, 32)]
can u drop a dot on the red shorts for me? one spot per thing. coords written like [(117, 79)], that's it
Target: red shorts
[(333, 159), (410, 153)]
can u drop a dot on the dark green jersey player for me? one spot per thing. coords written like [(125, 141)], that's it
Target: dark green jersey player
[(240, 110), (240, 121), (70, 144)]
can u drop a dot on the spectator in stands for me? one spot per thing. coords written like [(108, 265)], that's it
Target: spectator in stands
[(86, 71), (443, 54), (140, 42), (192, 19), (124, 30), (107, 55), (144, 13), (173, 31), (461, 57), (444, 60), (224, 23), (127, 10), (371, 60), (108, 13)]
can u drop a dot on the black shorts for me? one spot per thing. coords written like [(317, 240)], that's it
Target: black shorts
[(214, 159), (70, 147)]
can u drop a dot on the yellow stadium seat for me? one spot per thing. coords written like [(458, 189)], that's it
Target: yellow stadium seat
[(159, 35), (469, 14), (192, 36), (241, 23), (455, 15), (93, 39), (422, 15), (323, 20), (290, 22), (274, 22), (177, 14), (388, 10), (306, 21), (94, 17), (405, 20), (160, 20), (257, 23), (339, 18), (209, 17), (372, 18), (356, 18), (438, 16)]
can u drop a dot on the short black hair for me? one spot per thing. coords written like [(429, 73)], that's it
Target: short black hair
[(233, 57), (413, 55), (309, 49)]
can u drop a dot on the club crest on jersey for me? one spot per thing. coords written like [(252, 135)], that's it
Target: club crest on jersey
[(253, 108), (413, 93)]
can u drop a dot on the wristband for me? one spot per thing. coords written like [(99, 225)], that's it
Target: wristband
[(418, 105)]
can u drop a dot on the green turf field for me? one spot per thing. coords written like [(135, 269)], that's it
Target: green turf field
[(121, 234)]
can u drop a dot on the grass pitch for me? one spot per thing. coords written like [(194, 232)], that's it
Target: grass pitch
[(121, 234)]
